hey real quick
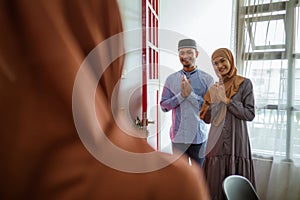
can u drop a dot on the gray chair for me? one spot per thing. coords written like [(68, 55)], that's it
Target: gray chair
[(239, 188)]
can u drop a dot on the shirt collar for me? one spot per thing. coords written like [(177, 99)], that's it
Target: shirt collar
[(188, 74)]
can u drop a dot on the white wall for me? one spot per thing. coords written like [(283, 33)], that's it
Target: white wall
[(207, 21), (130, 84)]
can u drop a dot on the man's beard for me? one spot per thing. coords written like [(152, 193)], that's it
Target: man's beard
[(189, 65)]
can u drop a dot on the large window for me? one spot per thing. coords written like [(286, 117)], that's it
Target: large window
[(268, 52)]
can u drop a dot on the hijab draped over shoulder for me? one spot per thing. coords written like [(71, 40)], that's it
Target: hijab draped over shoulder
[(231, 80)]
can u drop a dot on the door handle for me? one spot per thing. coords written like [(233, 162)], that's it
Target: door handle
[(140, 123)]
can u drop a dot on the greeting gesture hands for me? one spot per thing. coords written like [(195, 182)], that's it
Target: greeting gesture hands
[(217, 94), (213, 92), (185, 87)]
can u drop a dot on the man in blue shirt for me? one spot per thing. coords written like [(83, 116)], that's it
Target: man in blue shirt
[(183, 94)]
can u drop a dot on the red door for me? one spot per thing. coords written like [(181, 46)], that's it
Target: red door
[(150, 71)]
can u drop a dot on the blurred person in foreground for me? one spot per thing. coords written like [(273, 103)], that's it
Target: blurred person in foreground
[(42, 46), (228, 105)]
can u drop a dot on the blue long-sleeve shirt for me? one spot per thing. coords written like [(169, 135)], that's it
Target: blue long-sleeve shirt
[(187, 127)]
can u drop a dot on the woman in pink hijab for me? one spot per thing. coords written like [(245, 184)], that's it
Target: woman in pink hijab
[(61, 134), (228, 106)]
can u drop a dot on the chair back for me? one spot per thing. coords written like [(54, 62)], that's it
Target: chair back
[(239, 188)]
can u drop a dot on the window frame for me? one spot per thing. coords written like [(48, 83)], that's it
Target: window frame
[(248, 14)]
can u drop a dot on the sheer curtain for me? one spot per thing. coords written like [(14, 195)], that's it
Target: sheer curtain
[(268, 52)]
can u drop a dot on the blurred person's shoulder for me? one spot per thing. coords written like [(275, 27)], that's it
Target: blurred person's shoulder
[(182, 180)]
